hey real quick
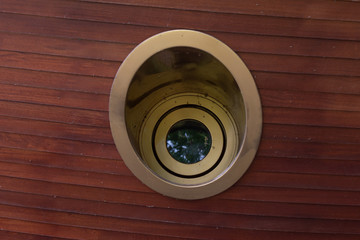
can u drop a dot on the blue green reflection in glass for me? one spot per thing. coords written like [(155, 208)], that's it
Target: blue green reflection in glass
[(188, 141)]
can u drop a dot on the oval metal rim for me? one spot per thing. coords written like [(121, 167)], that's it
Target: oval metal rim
[(242, 76)]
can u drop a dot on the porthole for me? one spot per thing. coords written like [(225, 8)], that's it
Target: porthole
[(185, 114)]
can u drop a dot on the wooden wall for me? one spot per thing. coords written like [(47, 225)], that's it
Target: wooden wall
[(62, 178)]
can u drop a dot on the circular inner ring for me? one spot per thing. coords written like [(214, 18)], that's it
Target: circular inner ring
[(194, 114), (188, 141), (165, 115)]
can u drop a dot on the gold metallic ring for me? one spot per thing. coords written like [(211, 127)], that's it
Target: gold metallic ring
[(188, 106), (181, 169)]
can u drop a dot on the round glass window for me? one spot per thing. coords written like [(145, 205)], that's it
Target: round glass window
[(188, 141)]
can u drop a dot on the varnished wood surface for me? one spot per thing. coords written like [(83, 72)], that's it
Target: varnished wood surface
[(62, 178)]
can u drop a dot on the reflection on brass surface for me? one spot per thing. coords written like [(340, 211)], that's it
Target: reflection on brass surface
[(185, 75)]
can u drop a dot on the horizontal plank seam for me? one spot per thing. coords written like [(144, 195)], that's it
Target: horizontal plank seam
[(120, 62), (93, 228), (303, 172), (243, 185), (31, 163), (71, 57), (64, 168), (62, 153), (309, 158), (54, 121), (153, 193), (134, 45), (110, 78), (54, 105), (108, 93), (32, 234), (125, 175), (164, 208), (171, 28), (95, 125), (111, 142), (195, 11), (53, 88), (115, 173), (56, 89), (180, 223), (207, 31), (105, 111), (236, 51), (51, 137), (85, 39), (89, 140), (183, 224), (218, 12), (70, 124)]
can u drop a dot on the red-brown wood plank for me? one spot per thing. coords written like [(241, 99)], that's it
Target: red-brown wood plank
[(64, 46), (307, 181), (93, 234), (63, 161), (238, 192), (307, 82), (75, 29), (308, 150), (7, 235), (58, 64), (68, 176), (289, 45), (52, 80), (111, 181), (290, 195), (306, 165), (186, 19), (54, 97), (55, 145), (319, 9), (299, 133), (68, 232), (191, 229), (177, 210), (56, 130), (311, 117), (302, 65), (310, 100), (238, 42), (58, 114)]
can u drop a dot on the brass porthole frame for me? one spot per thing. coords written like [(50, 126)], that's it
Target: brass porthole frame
[(234, 165)]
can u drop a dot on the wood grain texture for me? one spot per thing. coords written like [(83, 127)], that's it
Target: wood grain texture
[(61, 176), (307, 9)]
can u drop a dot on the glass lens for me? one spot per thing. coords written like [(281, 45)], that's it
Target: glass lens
[(188, 141)]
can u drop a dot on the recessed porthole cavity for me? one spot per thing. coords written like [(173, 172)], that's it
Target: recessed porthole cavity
[(185, 114)]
